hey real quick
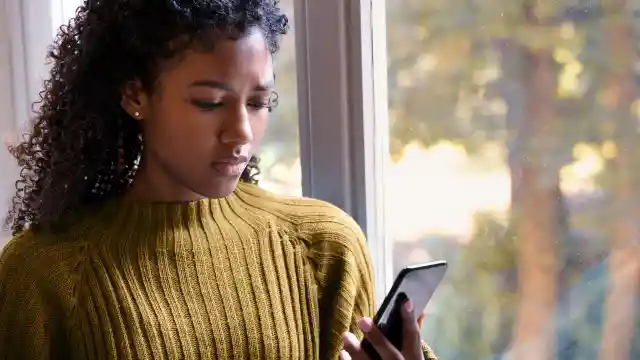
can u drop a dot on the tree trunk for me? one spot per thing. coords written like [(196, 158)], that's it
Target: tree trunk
[(535, 183), (620, 310), (624, 260), (535, 210)]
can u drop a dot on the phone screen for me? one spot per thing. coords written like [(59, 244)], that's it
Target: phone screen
[(418, 283)]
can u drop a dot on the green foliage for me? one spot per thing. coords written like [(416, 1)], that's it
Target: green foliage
[(281, 138), (445, 76), (449, 80), (481, 300)]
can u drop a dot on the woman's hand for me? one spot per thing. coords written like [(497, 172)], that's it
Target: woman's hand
[(411, 346)]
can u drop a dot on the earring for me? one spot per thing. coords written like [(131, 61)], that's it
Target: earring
[(136, 114)]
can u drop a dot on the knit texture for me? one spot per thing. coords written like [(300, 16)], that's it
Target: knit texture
[(250, 276)]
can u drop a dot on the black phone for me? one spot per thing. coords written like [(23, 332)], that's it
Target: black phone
[(415, 282)]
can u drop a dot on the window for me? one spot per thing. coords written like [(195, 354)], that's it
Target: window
[(280, 150), (513, 136)]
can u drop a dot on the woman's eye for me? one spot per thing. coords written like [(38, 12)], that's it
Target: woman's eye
[(258, 105), (207, 105)]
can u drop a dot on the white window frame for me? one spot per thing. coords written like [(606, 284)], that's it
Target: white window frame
[(23, 47), (27, 28), (342, 94), (343, 113)]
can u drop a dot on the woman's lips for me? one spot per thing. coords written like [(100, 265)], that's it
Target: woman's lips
[(229, 168)]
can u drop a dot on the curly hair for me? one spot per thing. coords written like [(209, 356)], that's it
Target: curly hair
[(83, 147)]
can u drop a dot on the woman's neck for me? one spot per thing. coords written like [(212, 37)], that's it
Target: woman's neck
[(153, 184)]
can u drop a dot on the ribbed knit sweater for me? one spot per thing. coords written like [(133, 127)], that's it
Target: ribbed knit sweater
[(250, 276)]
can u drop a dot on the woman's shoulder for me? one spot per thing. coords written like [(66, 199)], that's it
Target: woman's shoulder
[(21, 249), (327, 230), (310, 216), (35, 256)]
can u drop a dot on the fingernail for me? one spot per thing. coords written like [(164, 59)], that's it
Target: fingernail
[(408, 306), (365, 324)]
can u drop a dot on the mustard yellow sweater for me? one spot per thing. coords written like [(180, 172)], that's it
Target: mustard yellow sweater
[(250, 276)]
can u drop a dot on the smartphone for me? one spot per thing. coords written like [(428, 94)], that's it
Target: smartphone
[(415, 282)]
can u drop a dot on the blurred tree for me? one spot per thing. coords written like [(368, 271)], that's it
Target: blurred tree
[(281, 145), (535, 165), (624, 261), (445, 92), (529, 75)]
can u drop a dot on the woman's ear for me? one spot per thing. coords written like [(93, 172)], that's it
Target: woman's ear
[(134, 100)]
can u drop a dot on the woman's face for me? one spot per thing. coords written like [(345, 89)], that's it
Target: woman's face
[(204, 120)]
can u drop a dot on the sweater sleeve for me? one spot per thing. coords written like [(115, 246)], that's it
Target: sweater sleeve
[(27, 330), (345, 278)]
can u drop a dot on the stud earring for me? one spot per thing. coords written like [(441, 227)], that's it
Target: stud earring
[(136, 114)]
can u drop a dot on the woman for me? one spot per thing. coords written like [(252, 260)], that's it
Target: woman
[(139, 230)]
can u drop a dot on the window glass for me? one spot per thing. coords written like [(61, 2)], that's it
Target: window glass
[(515, 155), (280, 150)]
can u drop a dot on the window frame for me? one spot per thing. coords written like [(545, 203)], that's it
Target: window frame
[(13, 63), (27, 47), (19, 73), (343, 162)]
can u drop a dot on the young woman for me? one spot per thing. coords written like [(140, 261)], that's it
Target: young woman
[(139, 230)]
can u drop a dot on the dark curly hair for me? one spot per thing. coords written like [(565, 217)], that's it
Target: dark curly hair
[(83, 147)]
